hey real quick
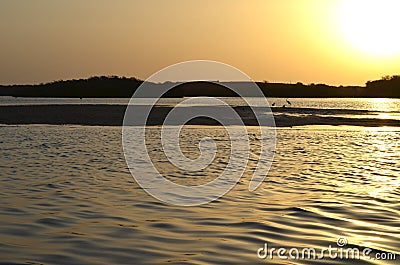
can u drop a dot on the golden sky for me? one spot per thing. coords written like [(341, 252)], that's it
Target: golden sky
[(321, 41)]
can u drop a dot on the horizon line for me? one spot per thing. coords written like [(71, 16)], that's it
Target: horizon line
[(222, 81)]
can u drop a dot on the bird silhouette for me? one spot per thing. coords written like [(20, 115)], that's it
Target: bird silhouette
[(273, 104), (288, 102)]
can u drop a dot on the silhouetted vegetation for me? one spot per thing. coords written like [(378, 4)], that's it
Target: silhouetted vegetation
[(388, 86), (97, 86), (114, 86)]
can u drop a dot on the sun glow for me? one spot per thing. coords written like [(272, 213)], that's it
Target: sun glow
[(371, 26)]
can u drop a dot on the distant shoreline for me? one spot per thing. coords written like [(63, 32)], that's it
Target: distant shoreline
[(123, 87), (113, 115)]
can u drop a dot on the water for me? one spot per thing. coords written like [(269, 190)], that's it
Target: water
[(5, 100), (370, 104), (356, 108), (67, 197)]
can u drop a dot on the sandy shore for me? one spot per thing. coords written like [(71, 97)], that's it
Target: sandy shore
[(112, 115)]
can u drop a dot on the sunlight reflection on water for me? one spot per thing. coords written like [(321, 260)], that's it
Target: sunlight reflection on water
[(68, 198)]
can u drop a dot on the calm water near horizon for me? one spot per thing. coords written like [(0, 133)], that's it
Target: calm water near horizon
[(369, 104), (67, 196), (356, 108)]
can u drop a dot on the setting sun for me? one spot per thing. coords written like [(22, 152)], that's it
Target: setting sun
[(370, 26)]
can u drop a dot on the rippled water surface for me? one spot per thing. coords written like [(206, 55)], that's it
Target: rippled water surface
[(67, 197)]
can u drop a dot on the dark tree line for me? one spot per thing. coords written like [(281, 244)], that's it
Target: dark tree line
[(388, 86), (114, 86), (97, 86)]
